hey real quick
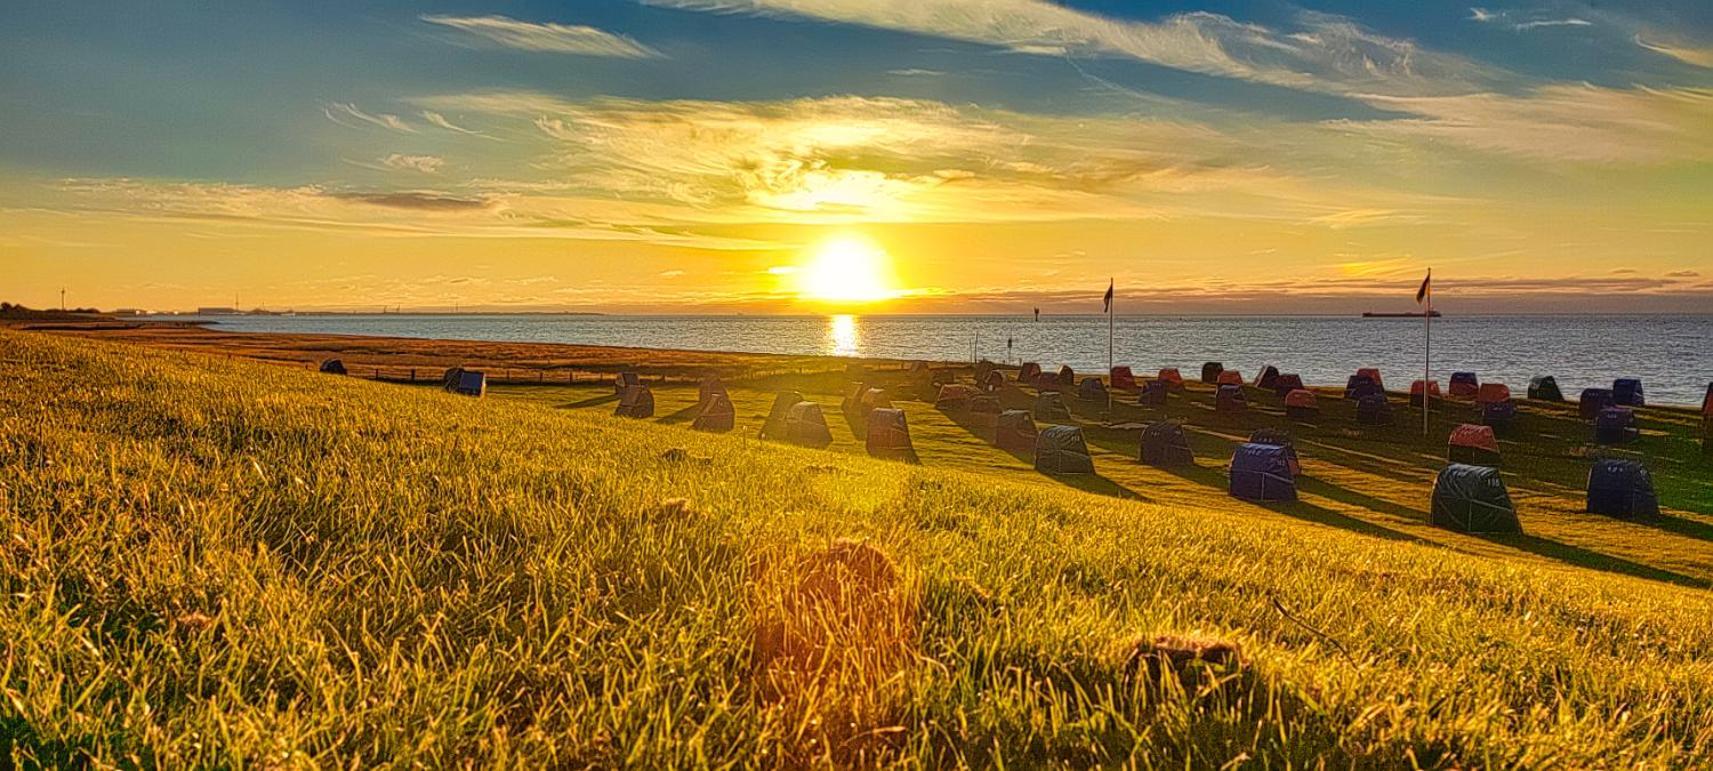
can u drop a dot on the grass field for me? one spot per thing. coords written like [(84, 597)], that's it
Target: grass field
[(1374, 481), (219, 563)]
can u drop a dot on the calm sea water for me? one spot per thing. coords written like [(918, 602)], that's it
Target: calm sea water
[(1672, 354)]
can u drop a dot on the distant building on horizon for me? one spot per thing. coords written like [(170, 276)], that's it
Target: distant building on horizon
[(217, 311)]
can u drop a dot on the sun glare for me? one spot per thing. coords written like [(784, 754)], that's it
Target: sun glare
[(848, 270)]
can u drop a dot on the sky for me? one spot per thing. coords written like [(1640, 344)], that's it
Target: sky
[(883, 156)]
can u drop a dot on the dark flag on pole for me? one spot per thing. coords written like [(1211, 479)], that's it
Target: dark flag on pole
[(1424, 298), (1106, 303)]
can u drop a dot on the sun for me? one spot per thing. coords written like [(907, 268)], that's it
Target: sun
[(848, 269)]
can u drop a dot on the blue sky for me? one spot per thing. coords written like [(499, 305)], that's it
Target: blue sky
[(583, 154)]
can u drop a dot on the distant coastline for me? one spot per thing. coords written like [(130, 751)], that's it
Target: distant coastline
[(224, 313)]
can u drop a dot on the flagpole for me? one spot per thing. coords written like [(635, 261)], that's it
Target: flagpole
[(1111, 311), (1427, 354)]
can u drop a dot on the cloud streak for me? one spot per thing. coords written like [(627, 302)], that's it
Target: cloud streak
[(426, 164), (1580, 123), (1324, 53), (380, 213), (1571, 22), (1698, 56), (1485, 16), (343, 113), (546, 37), (440, 121), (854, 159), (416, 201)]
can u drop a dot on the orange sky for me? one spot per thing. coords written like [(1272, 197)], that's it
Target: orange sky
[(986, 158)]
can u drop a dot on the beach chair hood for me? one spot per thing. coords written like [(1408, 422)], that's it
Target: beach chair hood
[(1473, 499), (1262, 473), (1061, 450), (1621, 488)]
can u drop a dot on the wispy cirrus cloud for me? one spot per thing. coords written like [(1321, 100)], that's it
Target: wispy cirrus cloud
[(1699, 56), (344, 113), (440, 121), (1437, 95), (426, 164), (546, 37), (378, 213), (1565, 123), (418, 201), (1571, 22), (848, 159), (1525, 23), (1323, 53)]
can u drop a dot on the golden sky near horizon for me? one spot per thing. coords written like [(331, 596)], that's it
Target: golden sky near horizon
[(826, 155)]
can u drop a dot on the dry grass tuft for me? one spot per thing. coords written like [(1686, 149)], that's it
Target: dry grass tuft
[(674, 509), (193, 622), (1193, 661), (836, 630), (681, 455)]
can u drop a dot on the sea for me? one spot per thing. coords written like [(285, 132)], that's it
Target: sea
[(1672, 354)]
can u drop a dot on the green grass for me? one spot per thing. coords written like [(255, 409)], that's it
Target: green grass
[(218, 563)]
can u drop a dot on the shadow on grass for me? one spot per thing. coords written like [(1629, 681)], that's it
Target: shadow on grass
[(593, 401), (978, 429), (1576, 555), (858, 426), (1314, 486), (1688, 528), (1215, 479), (1097, 484), (681, 416)]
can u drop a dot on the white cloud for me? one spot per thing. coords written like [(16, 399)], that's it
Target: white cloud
[(848, 159), (1485, 16), (1571, 22), (1566, 123), (1692, 55), (427, 164), (439, 121), (1326, 53), (407, 214), (343, 113), (547, 37)]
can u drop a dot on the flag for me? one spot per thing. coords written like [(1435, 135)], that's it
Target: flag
[(1106, 306), (1426, 289)]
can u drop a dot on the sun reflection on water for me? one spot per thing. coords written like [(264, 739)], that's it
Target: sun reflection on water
[(842, 335)]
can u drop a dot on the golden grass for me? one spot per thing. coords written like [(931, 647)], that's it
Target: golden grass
[(836, 631), (214, 563)]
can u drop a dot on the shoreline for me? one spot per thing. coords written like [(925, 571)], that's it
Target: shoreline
[(393, 358), (416, 359)]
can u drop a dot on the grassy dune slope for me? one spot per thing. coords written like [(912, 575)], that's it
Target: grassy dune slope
[(214, 563), (1372, 480)]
